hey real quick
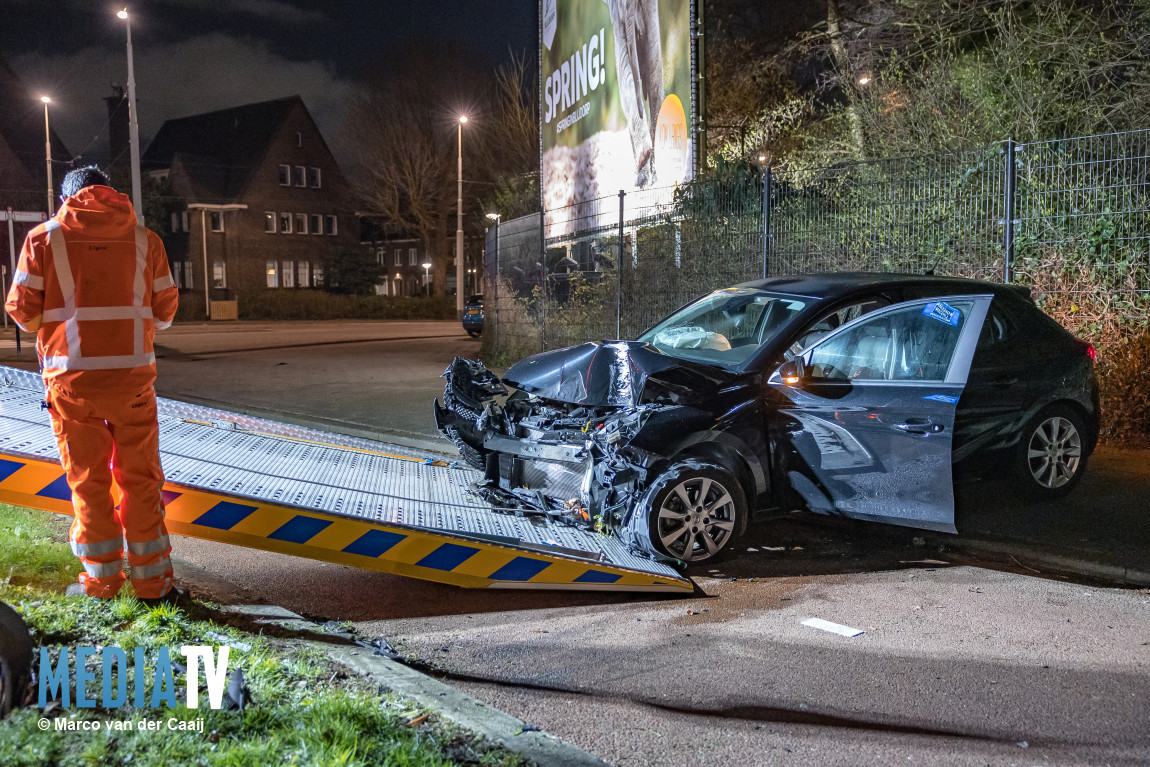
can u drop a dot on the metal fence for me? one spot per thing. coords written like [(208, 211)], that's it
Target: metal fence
[(609, 268)]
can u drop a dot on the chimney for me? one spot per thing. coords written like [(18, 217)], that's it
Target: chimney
[(117, 127)]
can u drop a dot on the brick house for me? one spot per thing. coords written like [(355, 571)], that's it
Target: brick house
[(256, 201)]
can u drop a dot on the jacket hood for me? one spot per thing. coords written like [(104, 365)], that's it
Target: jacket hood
[(613, 373), (99, 211)]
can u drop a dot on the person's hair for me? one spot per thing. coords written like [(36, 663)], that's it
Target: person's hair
[(81, 177)]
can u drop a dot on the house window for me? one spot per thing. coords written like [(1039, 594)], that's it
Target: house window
[(273, 274), (299, 175), (298, 138), (217, 220), (189, 283), (270, 221), (175, 221), (184, 221), (285, 223), (219, 274), (285, 175), (302, 273), (316, 223), (398, 261), (313, 178), (412, 260), (288, 274), (301, 223), (317, 276), (178, 273), (333, 226)]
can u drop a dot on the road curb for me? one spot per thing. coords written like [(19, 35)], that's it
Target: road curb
[(496, 726), (1067, 563)]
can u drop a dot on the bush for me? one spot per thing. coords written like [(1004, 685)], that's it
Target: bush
[(1124, 382)]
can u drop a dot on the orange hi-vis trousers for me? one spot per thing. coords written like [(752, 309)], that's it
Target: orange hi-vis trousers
[(106, 438)]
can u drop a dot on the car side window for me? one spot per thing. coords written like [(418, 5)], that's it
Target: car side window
[(832, 320), (915, 343), (997, 328)]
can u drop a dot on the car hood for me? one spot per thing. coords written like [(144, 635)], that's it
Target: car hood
[(615, 373)]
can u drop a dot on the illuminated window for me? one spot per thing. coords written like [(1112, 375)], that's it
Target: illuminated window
[(412, 258), (273, 275), (270, 221), (219, 274), (317, 276), (302, 274), (288, 274)]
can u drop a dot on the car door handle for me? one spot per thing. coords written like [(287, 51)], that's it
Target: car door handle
[(919, 426)]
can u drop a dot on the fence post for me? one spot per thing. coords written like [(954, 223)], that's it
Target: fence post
[(767, 180), (543, 281), (495, 288), (1008, 223), (619, 275)]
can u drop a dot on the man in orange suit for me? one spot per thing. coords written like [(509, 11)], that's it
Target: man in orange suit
[(95, 286)]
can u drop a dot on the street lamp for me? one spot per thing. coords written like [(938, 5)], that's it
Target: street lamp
[(459, 226), (133, 124), (48, 155), (426, 281)]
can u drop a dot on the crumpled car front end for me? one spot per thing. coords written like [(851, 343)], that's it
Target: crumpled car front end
[(572, 440)]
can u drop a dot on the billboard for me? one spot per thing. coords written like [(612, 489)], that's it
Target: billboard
[(616, 111)]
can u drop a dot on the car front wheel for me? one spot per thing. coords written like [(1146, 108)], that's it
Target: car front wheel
[(693, 512), (1052, 452)]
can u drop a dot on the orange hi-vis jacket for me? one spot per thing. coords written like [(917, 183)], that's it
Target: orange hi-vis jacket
[(96, 286)]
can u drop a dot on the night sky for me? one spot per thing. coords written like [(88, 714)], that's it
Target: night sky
[(194, 56)]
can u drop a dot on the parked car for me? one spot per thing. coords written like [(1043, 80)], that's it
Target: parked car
[(858, 395), (473, 315)]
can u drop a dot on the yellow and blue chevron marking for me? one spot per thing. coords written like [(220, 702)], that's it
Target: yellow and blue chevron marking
[(414, 552)]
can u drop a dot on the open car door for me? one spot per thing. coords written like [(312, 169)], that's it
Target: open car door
[(865, 417)]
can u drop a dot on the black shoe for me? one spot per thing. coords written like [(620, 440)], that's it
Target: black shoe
[(176, 596)]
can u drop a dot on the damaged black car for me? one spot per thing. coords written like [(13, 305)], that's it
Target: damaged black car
[(861, 395)]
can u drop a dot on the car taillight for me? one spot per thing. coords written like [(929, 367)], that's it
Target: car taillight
[(1088, 348)]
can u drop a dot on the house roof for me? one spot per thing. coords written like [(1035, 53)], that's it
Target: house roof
[(219, 150), (22, 126)]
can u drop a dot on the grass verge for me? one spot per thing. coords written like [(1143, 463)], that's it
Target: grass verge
[(304, 709)]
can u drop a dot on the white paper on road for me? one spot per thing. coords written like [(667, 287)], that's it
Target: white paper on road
[(834, 628)]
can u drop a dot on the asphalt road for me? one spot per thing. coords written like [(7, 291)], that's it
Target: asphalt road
[(960, 663)]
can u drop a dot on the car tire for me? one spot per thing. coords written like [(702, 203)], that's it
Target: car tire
[(474, 333), (1051, 455), (692, 513)]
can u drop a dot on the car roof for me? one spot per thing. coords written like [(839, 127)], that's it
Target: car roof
[(832, 284)]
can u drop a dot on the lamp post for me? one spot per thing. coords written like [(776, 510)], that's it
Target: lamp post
[(48, 155), (426, 281), (133, 123), (459, 227)]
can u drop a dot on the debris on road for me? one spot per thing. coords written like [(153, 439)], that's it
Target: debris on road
[(834, 628)]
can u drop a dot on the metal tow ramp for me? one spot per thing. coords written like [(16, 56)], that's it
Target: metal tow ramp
[(272, 486)]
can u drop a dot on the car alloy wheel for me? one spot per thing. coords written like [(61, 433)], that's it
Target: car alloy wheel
[(692, 512), (1053, 452)]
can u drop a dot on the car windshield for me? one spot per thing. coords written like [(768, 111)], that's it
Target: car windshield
[(726, 327)]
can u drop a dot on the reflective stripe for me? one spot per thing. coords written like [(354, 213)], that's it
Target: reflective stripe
[(97, 549), (162, 566), (149, 547), (124, 361), (88, 314), (33, 281), (163, 283), (139, 286), (108, 570), (161, 325), (67, 285)]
